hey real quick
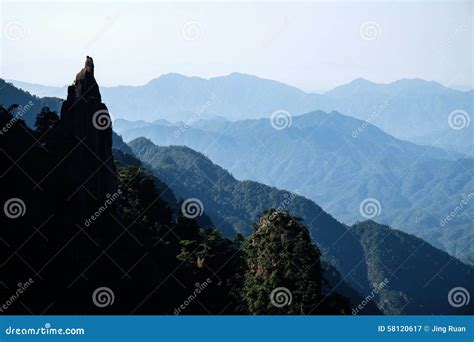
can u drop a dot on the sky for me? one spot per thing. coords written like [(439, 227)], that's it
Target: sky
[(311, 45)]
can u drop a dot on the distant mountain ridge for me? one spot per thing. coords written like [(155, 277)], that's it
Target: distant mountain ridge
[(419, 275), (412, 109), (369, 164), (31, 104), (318, 157)]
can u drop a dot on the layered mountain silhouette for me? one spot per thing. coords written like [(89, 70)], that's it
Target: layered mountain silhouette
[(324, 157), (364, 254), (32, 104), (89, 238), (411, 109), (96, 220)]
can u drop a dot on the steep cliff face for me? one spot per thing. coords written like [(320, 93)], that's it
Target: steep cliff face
[(87, 128)]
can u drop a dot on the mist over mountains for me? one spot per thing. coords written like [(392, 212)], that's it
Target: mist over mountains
[(316, 162), (319, 157), (411, 109), (333, 159)]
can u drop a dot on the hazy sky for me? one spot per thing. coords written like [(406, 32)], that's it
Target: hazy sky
[(311, 45)]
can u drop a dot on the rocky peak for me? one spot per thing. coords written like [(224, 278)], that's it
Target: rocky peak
[(87, 127)]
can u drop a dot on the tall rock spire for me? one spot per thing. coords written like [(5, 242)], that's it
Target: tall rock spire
[(87, 128)]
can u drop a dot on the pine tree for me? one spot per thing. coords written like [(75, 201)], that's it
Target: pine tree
[(45, 120)]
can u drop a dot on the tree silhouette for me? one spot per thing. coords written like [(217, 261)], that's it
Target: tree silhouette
[(45, 121)]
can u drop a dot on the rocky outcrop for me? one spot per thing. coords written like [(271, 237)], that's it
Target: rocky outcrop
[(87, 128), (85, 85)]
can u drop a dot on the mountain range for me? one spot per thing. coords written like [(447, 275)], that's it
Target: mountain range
[(365, 254), (359, 257), (333, 159), (319, 157), (410, 109), (31, 104)]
